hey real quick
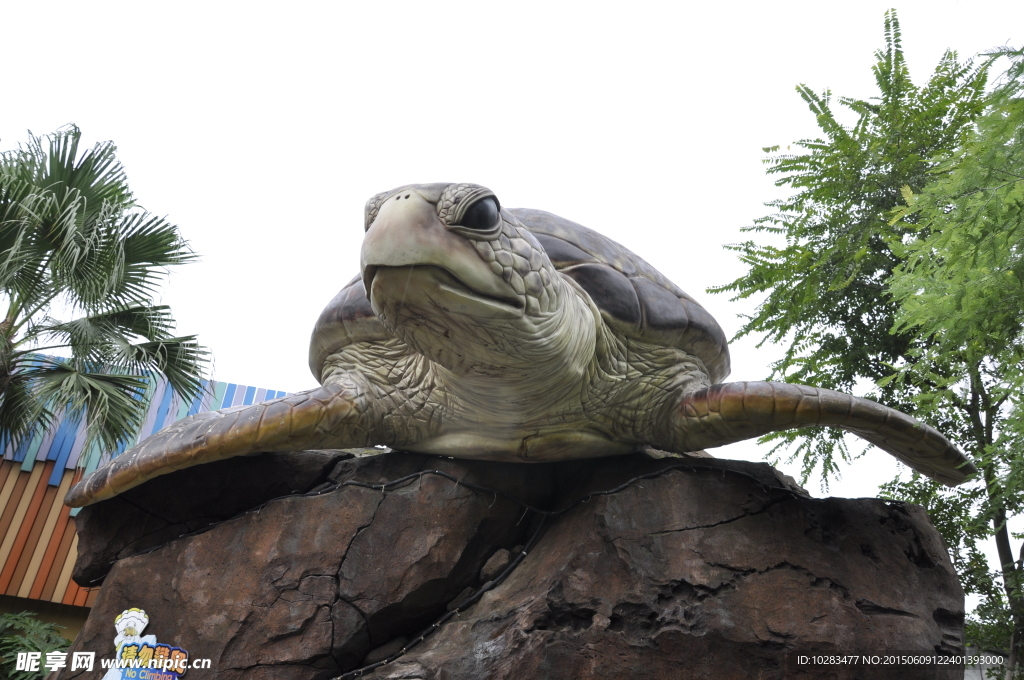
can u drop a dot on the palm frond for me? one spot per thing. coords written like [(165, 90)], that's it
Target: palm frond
[(14, 257), (99, 336), (109, 401), (182, 360), (72, 236), (136, 339), (23, 262), (146, 245), (21, 412), (95, 174)]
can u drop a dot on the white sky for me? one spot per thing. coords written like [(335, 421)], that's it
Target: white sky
[(262, 132)]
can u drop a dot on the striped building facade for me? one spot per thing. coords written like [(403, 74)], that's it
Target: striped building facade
[(38, 545)]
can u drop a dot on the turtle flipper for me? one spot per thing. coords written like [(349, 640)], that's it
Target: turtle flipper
[(332, 416), (731, 412)]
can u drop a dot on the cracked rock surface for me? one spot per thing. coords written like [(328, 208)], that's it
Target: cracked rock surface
[(720, 572)]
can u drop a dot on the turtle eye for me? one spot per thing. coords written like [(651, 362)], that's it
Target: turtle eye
[(481, 215)]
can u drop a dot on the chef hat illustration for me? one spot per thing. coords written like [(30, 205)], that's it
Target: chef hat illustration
[(129, 625)]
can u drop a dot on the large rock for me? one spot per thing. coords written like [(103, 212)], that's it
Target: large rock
[(701, 569), (184, 502)]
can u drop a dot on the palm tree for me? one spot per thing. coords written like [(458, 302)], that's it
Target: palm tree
[(74, 243)]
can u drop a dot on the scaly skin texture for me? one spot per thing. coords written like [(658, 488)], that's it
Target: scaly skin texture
[(732, 412), (421, 406), (488, 351), (306, 420)]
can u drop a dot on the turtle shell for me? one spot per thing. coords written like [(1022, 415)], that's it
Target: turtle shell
[(635, 299)]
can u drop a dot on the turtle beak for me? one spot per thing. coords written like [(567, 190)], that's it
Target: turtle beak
[(407, 233)]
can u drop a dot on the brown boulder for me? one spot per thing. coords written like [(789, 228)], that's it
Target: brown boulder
[(702, 568), (186, 501)]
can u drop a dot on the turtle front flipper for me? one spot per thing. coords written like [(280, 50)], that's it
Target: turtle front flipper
[(731, 412), (332, 416)]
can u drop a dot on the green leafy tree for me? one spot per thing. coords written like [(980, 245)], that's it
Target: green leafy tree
[(961, 288), (824, 254), (24, 633), (74, 243), (823, 262)]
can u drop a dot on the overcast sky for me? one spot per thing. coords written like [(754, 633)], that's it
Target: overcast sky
[(261, 132)]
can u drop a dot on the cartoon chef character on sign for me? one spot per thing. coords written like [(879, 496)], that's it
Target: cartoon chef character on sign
[(129, 625)]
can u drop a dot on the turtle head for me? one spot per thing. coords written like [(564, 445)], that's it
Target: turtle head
[(461, 281)]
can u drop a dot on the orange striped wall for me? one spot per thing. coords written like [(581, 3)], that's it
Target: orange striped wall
[(38, 545)]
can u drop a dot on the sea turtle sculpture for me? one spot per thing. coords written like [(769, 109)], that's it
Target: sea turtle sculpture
[(512, 335)]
